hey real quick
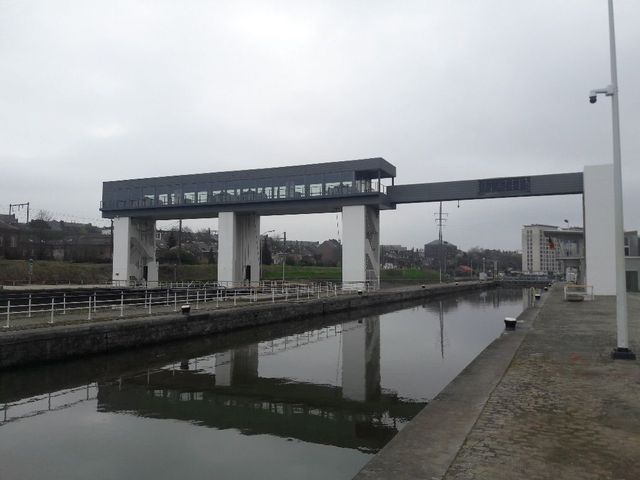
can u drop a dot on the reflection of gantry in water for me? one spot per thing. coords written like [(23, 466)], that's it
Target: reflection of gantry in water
[(224, 390)]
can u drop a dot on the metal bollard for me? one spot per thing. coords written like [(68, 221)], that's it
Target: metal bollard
[(64, 303), (121, 304), (29, 306), (235, 296), (89, 317), (175, 301), (167, 297), (150, 301), (273, 296), (197, 299)]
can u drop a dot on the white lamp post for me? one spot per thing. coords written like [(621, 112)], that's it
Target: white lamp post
[(622, 350)]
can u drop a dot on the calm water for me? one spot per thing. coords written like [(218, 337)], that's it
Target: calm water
[(311, 400)]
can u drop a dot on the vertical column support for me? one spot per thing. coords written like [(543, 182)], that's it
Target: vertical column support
[(599, 229), (226, 247), (134, 251), (361, 246), (238, 248)]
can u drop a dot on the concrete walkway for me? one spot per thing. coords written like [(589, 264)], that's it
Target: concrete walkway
[(562, 409)]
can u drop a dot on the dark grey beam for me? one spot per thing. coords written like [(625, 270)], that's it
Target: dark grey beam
[(501, 187), (266, 208)]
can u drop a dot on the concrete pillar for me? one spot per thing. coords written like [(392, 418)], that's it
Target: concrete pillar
[(361, 359), (599, 229), (134, 251), (238, 248), (360, 246), (237, 367)]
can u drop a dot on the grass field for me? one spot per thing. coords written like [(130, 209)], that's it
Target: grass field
[(50, 272)]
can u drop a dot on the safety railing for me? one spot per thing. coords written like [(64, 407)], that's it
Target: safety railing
[(572, 292), (41, 308)]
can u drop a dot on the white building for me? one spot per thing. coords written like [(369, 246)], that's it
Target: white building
[(538, 255)]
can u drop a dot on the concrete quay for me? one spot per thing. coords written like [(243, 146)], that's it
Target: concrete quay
[(543, 402), (58, 342)]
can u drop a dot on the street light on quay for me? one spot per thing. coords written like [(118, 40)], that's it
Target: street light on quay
[(622, 350)]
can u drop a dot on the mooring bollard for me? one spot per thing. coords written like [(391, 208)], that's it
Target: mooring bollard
[(510, 323)]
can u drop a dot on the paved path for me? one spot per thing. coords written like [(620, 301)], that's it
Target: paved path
[(562, 410)]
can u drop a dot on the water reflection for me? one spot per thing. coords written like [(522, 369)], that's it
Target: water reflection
[(225, 391), (349, 382)]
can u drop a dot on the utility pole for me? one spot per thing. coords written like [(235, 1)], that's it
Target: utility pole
[(440, 221), (111, 238), (19, 206), (284, 254), (180, 242)]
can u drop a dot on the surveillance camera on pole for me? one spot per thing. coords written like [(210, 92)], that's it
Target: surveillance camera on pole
[(609, 91)]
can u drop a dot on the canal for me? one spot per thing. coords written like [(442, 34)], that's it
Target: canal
[(313, 400)]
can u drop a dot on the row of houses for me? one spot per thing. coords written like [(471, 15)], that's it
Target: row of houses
[(53, 240)]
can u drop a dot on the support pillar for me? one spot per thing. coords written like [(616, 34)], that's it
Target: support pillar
[(361, 359), (238, 248), (134, 251), (360, 246), (599, 229)]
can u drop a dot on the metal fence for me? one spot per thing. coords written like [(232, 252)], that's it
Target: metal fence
[(30, 309)]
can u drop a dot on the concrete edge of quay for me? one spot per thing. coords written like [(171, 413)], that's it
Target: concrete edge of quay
[(42, 345), (427, 446)]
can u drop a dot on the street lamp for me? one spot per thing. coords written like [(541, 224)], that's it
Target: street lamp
[(622, 350)]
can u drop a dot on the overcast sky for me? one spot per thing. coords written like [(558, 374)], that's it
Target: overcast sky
[(444, 90)]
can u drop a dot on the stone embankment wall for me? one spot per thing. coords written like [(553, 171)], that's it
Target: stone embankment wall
[(59, 342)]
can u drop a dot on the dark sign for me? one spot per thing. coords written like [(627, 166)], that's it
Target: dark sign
[(498, 186)]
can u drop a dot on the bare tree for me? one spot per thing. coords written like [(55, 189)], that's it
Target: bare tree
[(44, 215)]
